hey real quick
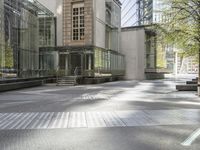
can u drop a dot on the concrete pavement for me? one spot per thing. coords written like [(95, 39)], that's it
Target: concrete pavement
[(63, 120), (125, 115)]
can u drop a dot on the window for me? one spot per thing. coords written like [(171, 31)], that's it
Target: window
[(108, 16), (78, 20)]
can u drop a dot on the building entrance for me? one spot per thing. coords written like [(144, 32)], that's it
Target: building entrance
[(76, 64), (63, 64), (70, 64)]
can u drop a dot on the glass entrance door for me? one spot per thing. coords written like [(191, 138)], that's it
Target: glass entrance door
[(75, 63), (63, 64)]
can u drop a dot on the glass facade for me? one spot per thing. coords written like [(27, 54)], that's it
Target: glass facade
[(47, 30), (150, 50), (108, 63), (88, 61), (2, 58), (129, 13), (142, 12), (146, 13), (137, 12), (21, 26), (158, 53), (113, 26), (48, 62)]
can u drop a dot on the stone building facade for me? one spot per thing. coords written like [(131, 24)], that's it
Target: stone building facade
[(91, 31), (68, 7)]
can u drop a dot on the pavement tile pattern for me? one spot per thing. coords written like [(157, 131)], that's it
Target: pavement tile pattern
[(64, 120)]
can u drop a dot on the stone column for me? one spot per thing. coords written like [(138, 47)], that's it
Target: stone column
[(67, 65)]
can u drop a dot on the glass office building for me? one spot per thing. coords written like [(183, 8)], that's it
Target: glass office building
[(147, 13), (25, 25), (2, 41), (137, 12), (142, 12)]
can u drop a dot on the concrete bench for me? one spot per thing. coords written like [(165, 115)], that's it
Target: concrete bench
[(99, 80), (19, 85), (196, 80), (191, 82), (187, 87)]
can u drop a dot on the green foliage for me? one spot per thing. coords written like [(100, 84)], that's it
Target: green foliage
[(1, 56), (8, 56), (161, 61), (182, 26)]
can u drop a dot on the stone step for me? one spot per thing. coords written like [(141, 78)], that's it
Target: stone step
[(187, 87), (68, 77), (67, 81), (65, 84), (62, 80), (70, 81)]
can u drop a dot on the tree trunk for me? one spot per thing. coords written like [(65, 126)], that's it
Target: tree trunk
[(198, 86)]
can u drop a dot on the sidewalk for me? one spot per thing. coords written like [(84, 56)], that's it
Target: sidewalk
[(121, 115)]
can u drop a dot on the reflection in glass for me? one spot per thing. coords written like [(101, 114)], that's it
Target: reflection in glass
[(22, 25)]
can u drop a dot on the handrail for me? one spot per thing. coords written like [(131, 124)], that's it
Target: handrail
[(77, 71)]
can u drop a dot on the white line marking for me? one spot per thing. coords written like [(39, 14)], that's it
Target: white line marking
[(37, 121), (57, 120), (191, 138), (21, 124), (18, 121), (54, 120), (63, 122), (10, 120), (77, 120), (42, 121), (29, 121), (94, 120), (45, 121)]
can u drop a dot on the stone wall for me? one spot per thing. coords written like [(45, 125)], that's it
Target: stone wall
[(134, 49)]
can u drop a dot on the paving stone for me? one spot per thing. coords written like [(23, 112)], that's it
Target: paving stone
[(77, 120), (37, 121), (9, 120), (112, 120), (136, 118), (94, 119), (61, 120), (26, 122), (19, 121)]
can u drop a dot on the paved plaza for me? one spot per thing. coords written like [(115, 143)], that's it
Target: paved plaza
[(62, 120), (123, 115)]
